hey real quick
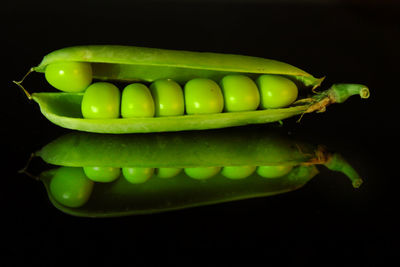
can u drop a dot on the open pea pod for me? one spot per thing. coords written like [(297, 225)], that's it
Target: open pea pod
[(138, 64), (208, 167)]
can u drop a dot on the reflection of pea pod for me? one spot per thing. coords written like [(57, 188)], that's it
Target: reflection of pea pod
[(220, 148), (131, 64), (121, 198), (181, 149)]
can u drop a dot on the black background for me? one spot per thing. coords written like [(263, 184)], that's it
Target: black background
[(327, 222)]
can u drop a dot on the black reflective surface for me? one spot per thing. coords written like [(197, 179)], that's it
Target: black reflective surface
[(326, 223)]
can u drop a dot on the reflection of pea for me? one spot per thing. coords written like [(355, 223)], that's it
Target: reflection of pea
[(102, 174), (237, 172), (71, 187), (202, 172), (274, 171), (137, 175), (167, 172)]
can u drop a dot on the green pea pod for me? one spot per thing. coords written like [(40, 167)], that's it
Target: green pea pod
[(203, 149), (129, 64)]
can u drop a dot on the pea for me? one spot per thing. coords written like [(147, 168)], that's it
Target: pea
[(168, 98), (203, 96), (137, 101), (102, 174), (274, 171), (202, 173), (167, 172), (69, 76), (101, 101), (276, 91), (70, 187), (237, 172), (136, 175), (240, 93)]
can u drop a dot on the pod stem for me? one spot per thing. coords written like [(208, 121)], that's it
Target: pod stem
[(19, 83), (336, 162), (24, 170)]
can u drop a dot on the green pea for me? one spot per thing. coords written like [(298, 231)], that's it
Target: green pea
[(70, 187), (102, 174), (240, 93), (203, 96), (276, 91), (136, 175), (274, 171), (167, 172), (202, 173), (168, 98), (69, 76), (137, 101), (237, 172), (101, 101)]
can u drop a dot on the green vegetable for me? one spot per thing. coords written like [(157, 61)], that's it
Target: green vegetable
[(203, 96), (201, 173), (167, 172), (238, 151), (237, 172), (276, 91), (168, 98), (100, 101), (69, 76), (137, 101), (240, 93), (274, 171), (102, 174), (70, 187), (136, 175), (132, 64)]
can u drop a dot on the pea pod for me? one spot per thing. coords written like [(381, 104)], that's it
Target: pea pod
[(131, 64), (203, 149)]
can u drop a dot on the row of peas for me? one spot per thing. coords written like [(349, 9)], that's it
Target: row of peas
[(166, 97), (139, 175), (72, 186)]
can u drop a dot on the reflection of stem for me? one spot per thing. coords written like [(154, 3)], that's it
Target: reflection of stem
[(337, 163), (321, 157), (21, 81), (24, 170)]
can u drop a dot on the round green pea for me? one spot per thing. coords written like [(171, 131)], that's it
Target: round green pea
[(137, 101), (202, 173), (168, 98), (203, 96), (276, 91), (136, 175), (102, 174), (237, 172), (273, 171), (167, 172), (69, 76), (70, 187), (240, 93), (101, 101)]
